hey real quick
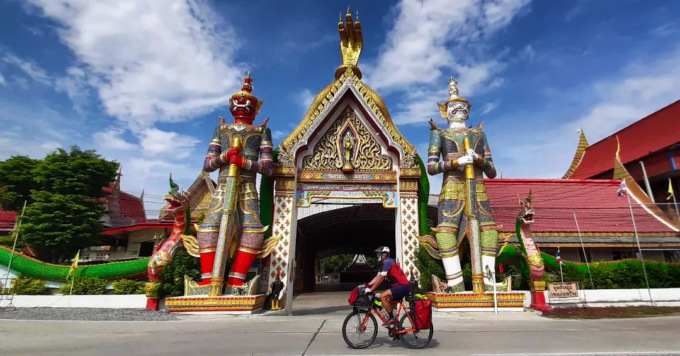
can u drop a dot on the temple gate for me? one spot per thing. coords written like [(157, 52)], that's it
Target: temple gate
[(345, 149)]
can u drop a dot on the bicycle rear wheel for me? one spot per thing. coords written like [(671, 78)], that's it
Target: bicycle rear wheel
[(415, 339), (352, 333)]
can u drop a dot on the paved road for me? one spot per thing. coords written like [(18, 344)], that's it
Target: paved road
[(315, 330), (465, 334)]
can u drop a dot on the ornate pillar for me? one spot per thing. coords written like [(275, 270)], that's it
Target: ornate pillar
[(408, 224), (284, 225)]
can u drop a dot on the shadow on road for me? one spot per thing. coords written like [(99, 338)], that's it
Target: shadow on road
[(323, 310)]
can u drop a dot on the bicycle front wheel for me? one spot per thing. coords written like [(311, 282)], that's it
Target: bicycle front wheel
[(355, 335), (414, 339)]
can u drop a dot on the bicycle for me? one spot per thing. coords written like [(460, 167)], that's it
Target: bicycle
[(361, 324)]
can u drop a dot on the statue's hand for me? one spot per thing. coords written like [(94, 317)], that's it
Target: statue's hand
[(234, 152), (471, 152), (465, 160)]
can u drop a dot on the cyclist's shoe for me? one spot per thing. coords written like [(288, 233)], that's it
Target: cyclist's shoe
[(391, 323)]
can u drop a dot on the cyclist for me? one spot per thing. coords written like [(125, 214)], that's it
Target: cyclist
[(400, 286)]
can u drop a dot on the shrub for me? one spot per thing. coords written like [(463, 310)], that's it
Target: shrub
[(85, 286), (128, 286), (172, 278), (428, 266), (30, 286), (622, 275)]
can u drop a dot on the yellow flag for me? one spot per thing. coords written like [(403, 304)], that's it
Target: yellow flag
[(74, 266), (670, 190)]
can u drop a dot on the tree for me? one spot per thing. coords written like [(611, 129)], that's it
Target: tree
[(57, 225), (336, 263), (75, 172), (16, 182), (65, 204)]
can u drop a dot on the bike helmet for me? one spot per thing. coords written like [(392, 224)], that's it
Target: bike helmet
[(380, 250)]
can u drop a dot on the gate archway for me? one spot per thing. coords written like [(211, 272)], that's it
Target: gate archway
[(346, 148), (353, 230)]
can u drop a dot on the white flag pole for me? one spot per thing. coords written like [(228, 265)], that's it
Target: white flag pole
[(637, 240), (585, 257), (560, 263)]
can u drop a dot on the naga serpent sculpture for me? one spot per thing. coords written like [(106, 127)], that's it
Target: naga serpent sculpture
[(534, 267), (178, 204)]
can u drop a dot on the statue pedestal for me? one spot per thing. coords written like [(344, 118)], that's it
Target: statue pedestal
[(228, 304), (538, 296), (468, 301)]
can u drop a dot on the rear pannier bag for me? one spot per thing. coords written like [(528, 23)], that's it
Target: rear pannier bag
[(423, 314)]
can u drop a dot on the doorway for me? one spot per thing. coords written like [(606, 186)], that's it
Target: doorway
[(341, 235)]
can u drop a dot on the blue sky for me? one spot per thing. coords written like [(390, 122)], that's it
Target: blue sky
[(143, 82)]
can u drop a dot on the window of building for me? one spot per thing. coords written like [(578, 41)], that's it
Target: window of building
[(146, 248), (672, 256), (623, 254), (582, 257)]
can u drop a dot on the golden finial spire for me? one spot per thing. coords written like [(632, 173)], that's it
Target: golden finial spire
[(351, 44)]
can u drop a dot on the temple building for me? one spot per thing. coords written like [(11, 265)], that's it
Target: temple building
[(649, 147)]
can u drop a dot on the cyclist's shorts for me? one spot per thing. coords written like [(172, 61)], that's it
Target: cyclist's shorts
[(400, 291)]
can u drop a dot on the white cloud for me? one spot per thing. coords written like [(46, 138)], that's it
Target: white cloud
[(149, 61), (422, 44), (51, 146), (637, 91), (278, 135), (29, 68), (2, 80), (111, 139), (640, 90), (488, 107), (431, 40), (156, 142), (528, 53), (76, 85), (304, 99)]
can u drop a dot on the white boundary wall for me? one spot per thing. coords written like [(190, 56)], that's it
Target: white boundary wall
[(663, 297), (132, 301)]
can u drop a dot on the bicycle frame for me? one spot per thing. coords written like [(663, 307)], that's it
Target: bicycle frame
[(400, 308)]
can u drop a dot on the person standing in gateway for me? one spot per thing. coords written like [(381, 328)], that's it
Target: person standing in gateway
[(399, 285)]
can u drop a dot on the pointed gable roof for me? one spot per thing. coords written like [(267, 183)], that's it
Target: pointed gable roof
[(328, 99), (648, 135)]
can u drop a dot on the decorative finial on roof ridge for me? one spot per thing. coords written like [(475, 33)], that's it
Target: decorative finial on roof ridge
[(351, 44), (618, 147)]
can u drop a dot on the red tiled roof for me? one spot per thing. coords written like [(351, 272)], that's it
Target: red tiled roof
[(597, 206), (650, 134), (7, 219), (131, 208)]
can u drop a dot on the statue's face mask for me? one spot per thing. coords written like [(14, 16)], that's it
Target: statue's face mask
[(457, 111), (243, 107)]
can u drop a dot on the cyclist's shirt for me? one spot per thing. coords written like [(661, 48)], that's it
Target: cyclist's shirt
[(393, 272)]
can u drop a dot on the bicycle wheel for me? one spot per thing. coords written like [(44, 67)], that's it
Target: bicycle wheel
[(352, 333), (415, 339)]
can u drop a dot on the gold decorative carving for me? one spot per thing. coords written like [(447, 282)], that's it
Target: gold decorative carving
[(410, 172), (472, 300), (237, 304), (363, 155), (285, 184), (408, 185), (326, 97), (284, 170)]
